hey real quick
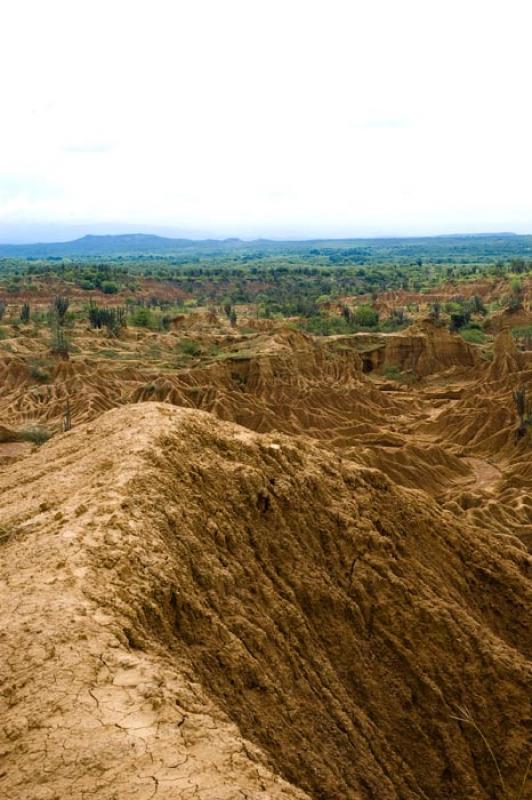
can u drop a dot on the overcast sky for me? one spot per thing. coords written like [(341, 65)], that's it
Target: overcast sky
[(265, 117)]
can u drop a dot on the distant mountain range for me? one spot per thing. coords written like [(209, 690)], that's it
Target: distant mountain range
[(129, 244), (143, 245)]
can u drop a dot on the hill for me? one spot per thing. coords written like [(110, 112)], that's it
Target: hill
[(191, 609), (138, 244)]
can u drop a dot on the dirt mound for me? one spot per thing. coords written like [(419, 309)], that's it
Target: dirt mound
[(199, 611)]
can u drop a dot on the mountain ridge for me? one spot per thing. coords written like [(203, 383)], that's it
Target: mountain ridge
[(146, 244)]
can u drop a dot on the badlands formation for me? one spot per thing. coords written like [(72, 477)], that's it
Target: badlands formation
[(276, 574)]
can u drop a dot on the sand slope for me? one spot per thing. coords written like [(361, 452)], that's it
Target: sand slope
[(193, 610)]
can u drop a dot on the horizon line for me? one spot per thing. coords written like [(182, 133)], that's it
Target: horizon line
[(272, 238)]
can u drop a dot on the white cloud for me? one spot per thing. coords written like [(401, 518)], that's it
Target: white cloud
[(280, 117)]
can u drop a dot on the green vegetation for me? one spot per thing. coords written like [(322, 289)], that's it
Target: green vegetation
[(515, 299), (466, 248), (113, 319), (36, 434), (142, 318), (522, 332), (189, 347), (321, 287), (59, 344), (393, 373), (59, 309), (25, 313), (40, 371), (473, 334)]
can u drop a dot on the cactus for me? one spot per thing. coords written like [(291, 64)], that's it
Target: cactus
[(25, 313), (519, 397)]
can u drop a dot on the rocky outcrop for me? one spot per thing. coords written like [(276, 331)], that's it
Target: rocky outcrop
[(426, 348), (520, 318), (506, 359)]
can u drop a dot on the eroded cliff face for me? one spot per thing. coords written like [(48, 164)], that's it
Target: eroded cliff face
[(190, 609), (425, 348), (519, 317)]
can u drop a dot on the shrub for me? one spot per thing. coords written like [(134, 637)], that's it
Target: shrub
[(515, 299), (524, 331), (110, 287), (35, 434), (477, 305), (393, 373), (366, 317), (435, 310), (189, 347), (459, 320), (325, 326), (143, 318), (39, 373), (114, 319), (473, 335)]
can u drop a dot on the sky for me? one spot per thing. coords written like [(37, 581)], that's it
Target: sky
[(279, 118)]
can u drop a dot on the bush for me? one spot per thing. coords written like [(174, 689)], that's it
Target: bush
[(516, 297), (473, 334), (366, 317), (39, 373), (393, 373), (35, 434), (477, 306), (189, 347), (143, 318), (459, 320), (325, 326), (114, 319), (522, 331), (110, 287)]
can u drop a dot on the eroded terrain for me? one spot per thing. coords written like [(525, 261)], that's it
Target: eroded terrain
[(265, 564)]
